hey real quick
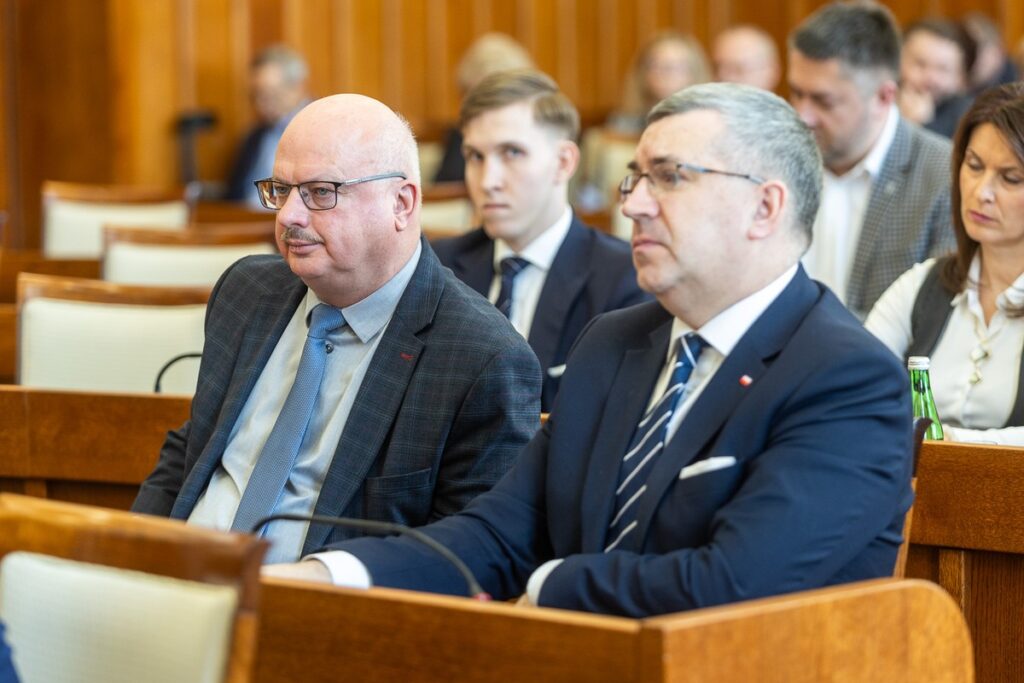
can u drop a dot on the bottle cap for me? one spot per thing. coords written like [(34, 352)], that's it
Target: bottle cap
[(918, 363)]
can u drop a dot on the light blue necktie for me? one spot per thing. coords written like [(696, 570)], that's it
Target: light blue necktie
[(647, 443), (278, 455)]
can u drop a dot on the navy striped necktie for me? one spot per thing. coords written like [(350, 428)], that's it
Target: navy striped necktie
[(647, 443), (511, 266)]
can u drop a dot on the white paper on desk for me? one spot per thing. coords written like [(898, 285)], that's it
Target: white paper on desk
[(709, 465)]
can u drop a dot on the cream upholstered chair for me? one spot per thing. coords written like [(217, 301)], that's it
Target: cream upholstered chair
[(179, 258), (87, 334), (99, 596), (74, 214), (446, 210)]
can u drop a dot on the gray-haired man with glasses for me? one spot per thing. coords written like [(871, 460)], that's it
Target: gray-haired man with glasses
[(356, 376), (742, 436)]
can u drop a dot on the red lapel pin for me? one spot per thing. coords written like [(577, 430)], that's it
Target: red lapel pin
[(745, 380), (406, 356)]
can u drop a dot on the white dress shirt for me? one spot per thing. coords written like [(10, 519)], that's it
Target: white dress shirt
[(540, 254), (975, 366), (844, 202), (354, 346)]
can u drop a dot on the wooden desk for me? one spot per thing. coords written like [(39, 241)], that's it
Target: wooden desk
[(968, 536), (886, 630), (82, 447)]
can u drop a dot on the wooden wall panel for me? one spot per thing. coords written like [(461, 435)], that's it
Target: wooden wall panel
[(92, 88)]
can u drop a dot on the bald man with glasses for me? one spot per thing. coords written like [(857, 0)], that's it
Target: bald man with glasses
[(353, 375)]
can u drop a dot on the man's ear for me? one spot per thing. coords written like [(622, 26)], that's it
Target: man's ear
[(568, 160), (404, 204), (887, 92), (768, 215)]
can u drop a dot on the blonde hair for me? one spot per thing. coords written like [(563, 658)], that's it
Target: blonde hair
[(490, 53)]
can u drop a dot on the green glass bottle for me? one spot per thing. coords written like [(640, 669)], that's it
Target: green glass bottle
[(921, 394)]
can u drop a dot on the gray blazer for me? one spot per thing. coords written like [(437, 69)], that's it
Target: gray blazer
[(908, 218), (450, 397)]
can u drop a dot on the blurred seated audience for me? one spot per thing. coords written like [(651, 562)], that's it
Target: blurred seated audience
[(992, 64), (966, 310), (278, 89), (666, 64), (746, 54), (935, 67), (490, 53)]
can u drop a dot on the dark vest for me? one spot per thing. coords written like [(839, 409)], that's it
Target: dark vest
[(929, 319)]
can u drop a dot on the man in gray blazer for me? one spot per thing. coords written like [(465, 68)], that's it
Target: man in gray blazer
[(885, 201), (408, 394)]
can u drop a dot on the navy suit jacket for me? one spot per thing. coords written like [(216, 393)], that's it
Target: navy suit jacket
[(7, 673), (820, 433), (592, 274), (449, 399)]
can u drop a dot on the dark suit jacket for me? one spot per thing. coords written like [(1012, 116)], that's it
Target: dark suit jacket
[(446, 405), (238, 187), (592, 274), (7, 673), (821, 438)]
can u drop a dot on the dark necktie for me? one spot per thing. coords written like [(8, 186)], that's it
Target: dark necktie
[(275, 463), (510, 267), (647, 443)]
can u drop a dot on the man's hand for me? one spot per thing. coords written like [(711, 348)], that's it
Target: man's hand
[(311, 570)]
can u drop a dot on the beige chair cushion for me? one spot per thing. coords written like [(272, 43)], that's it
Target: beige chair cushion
[(107, 347), (75, 229), (447, 215), (72, 622), (174, 266)]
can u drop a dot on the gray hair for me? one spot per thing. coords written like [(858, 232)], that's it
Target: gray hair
[(863, 36), (293, 66), (764, 137)]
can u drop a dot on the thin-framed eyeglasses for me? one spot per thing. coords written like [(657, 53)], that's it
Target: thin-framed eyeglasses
[(317, 195), (666, 176)]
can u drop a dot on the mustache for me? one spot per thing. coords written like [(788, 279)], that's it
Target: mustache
[(300, 235)]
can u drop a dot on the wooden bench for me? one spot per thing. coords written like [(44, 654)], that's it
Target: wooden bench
[(968, 536), (82, 447), (884, 630)]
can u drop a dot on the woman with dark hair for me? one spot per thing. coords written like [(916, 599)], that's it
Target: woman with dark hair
[(966, 310)]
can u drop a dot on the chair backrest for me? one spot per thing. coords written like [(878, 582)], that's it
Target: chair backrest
[(446, 210), (179, 258), (74, 214), (91, 335), (91, 595)]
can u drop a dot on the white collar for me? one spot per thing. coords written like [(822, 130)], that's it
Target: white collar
[(542, 250), (726, 329)]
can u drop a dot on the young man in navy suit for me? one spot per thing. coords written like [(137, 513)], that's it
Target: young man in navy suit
[(742, 436), (543, 268)]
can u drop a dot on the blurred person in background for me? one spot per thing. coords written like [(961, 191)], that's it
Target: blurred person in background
[(992, 65), (278, 89), (746, 54), (935, 69)]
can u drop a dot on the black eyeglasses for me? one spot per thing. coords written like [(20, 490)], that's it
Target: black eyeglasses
[(317, 195), (666, 176)]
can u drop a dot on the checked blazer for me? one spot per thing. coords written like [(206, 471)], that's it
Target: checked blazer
[(908, 217), (449, 399)]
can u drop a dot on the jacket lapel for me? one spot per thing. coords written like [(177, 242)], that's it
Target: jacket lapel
[(885, 190), (565, 279), (751, 356), (271, 315), (475, 265), (628, 397), (380, 395)]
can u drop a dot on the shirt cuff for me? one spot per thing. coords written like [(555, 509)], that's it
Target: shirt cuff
[(537, 578), (345, 568)]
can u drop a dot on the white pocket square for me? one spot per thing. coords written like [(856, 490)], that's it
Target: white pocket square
[(556, 371), (708, 465)]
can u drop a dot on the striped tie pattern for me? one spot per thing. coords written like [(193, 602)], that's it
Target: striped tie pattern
[(266, 484), (648, 441), (510, 267)]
